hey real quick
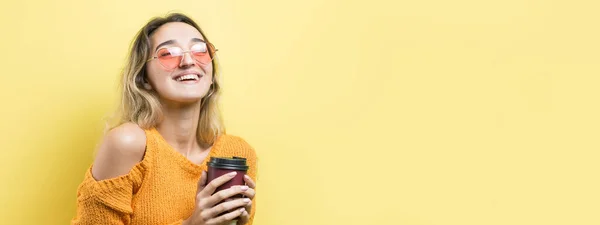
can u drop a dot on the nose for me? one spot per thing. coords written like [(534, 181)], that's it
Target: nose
[(187, 60)]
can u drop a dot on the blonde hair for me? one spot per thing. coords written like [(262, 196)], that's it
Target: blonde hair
[(142, 107)]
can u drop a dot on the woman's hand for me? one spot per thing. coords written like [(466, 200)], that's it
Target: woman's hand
[(209, 206), (250, 194)]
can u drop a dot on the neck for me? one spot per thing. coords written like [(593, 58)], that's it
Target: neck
[(179, 126)]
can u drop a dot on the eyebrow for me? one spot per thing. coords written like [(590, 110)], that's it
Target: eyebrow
[(197, 40), (169, 42)]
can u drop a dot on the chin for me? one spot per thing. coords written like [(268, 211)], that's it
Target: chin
[(189, 99), (181, 99), (184, 97)]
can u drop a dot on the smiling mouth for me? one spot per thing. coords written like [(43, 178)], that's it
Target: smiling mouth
[(187, 77)]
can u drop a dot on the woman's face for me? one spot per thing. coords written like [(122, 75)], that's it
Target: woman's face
[(182, 73)]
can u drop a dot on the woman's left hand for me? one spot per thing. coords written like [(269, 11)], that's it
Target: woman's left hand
[(245, 217)]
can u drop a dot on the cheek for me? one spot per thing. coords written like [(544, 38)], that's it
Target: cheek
[(209, 81), (208, 69), (155, 74)]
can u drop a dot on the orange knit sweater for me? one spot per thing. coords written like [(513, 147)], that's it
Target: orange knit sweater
[(159, 190)]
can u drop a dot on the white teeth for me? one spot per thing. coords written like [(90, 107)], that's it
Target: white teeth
[(188, 77)]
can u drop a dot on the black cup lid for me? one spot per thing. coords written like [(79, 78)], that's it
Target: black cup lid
[(231, 163)]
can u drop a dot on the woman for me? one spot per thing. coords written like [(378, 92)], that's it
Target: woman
[(150, 168)]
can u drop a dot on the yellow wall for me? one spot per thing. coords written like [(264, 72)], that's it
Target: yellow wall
[(429, 112)]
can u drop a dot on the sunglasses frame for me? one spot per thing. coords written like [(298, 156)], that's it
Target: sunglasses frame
[(211, 52)]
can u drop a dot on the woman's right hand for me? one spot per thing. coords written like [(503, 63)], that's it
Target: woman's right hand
[(209, 206)]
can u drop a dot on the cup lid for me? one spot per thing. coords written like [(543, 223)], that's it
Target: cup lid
[(232, 163)]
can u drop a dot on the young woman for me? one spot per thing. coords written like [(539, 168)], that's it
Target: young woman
[(151, 167)]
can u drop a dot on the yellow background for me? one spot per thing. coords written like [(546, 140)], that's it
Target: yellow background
[(431, 112)]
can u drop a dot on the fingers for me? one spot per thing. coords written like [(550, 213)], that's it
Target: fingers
[(210, 188), (244, 218), (249, 181), (251, 192), (222, 195), (249, 207), (227, 217), (226, 206), (201, 182)]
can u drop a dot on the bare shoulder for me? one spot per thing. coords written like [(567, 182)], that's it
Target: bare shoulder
[(121, 148)]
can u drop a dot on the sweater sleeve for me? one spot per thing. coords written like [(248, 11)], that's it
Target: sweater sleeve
[(253, 173), (237, 146), (108, 201)]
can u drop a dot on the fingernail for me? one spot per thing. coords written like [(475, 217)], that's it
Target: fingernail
[(246, 176), (232, 174), (243, 209), (244, 188), (246, 200)]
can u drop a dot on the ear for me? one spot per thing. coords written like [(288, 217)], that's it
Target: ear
[(147, 86)]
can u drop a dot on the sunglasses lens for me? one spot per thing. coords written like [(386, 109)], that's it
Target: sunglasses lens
[(201, 54), (169, 57)]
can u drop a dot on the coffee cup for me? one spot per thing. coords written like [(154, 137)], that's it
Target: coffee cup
[(219, 166)]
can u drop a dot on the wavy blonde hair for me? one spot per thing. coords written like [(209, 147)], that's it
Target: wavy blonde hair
[(142, 107)]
